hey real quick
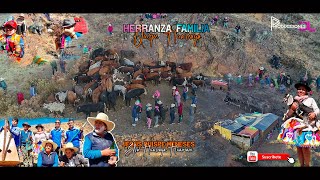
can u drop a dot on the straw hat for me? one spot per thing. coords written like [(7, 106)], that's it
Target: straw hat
[(104, 118), (54, 145), (261, 68), (159, 102), (1, 79), (69, 145), (174, 87), (193, 105), (172, 105)]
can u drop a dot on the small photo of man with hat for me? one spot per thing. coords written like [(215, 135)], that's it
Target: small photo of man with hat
[(71, 158), (100, 146)]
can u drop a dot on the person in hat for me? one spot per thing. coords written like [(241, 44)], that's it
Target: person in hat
[(297, 131), (139, 110), (100, 146), (71, 158), (172, 113), (163, 111), (39, 137), (57, 135), (12, 42), (192, 111), (134, 113), (237, 28), (3, 84), (174, 89), (149, 115), (73, 134), (185, 93), (177, 98), (14, 131), (33, 91), (26, 141), (110, 29), (156, 112), (21, 25), (48, 157), (225, 22)]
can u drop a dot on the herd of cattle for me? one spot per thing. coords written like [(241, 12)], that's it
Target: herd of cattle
[(107, 75)]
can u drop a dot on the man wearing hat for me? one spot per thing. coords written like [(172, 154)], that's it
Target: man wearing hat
[(100, 146), (134, 113), (48, 157), (71, 158), (163, 112), (172, 113), (149, 115), (11, 41), (306, 127), (26, 141), (192, 111), (21, 25)]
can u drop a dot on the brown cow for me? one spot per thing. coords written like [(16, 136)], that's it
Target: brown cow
[(96, 94), (136, 74), (155, 77), (186, 66), (166, 76), (111, 54), (86, 87), (138, 81), (149, 64), (126, 69), (187, 75), (145, 71), (199, 83), (134, 86), (106, 84), (84, 67), (161, 69), (93, 71), (72, 98), (104, 70), (108, 63), (51, 98), (179, 70)]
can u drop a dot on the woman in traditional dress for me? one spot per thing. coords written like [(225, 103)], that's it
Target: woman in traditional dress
[(301, 127)]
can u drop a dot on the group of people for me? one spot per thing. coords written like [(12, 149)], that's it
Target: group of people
[(225, 23), (61, 148), (158, 111)]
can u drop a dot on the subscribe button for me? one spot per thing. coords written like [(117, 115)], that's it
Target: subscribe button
[(254, 156)]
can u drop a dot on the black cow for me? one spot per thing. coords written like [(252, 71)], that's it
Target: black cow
[(112, 100), (127, 54), (97, 52), (177, 81), (134, 93), (83, 78), (88, 108)]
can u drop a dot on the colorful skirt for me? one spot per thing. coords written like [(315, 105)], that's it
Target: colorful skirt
[(293, 132)]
